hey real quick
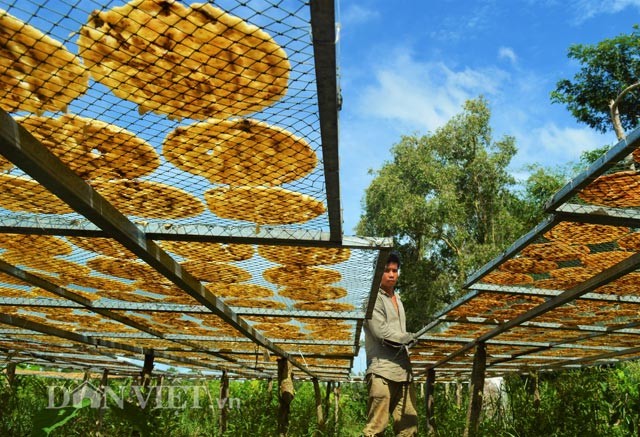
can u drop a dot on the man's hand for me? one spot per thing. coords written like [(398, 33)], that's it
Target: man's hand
[(412, 341)]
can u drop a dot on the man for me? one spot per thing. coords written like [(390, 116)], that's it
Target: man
[(388, 367)]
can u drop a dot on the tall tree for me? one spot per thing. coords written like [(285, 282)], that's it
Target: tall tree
[(610, 72), (446, 199)]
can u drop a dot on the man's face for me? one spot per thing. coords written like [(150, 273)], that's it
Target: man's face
[(389, 277)]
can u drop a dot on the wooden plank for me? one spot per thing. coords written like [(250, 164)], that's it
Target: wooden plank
[(324, 52)]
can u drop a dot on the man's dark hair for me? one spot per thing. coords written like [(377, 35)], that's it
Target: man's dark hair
[(394, 257)]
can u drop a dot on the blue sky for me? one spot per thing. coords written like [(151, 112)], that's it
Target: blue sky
[(408, 66)]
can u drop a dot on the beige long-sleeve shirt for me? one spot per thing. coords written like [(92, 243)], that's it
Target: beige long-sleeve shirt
[(387, 323)]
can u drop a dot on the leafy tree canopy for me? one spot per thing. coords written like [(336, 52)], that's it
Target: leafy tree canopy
[(608, 68), (447, 200)]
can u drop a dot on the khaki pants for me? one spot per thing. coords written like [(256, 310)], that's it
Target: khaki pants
[(397, 398)]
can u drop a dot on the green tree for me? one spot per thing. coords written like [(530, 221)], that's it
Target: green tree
[(446, 199), (608, 68), (541, 184)]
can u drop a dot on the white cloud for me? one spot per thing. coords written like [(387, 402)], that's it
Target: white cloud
[(590, 8), (508, 54), (424, 96), (551, 144), (356, 14)]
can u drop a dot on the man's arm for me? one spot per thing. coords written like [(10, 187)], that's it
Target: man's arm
[(381, 329)]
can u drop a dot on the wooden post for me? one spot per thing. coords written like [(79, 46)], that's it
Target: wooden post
[(458, 394), (85, 379), (536, 392), (476, 389), (224, 400), (429, 401), (104, 383), (319, 412), (11, 374), (285, 395), (269, 390), (147, 368), (327, 398)]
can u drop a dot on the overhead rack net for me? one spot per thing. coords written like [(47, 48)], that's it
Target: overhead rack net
[(567, 294), (170, 188)]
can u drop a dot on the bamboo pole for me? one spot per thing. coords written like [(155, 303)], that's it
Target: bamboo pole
[(429, 401), (285, 395), (477, 387)]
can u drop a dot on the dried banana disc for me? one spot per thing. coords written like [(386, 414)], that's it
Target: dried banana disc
[(323, 305), (15, 292), (629, 284), (255, 303), (557, 283), (630, 242), (148, 199), (506, 278), (603, 260), (209, 271), (527, 265), (308, 256), (126, 269), (327, 324), (301, 276), (239, 152), (555, 251), (92, 148), (192, 61), (239, 290), (43, 262), (37, 292), (281, 330), (268, 319), (585, 233), (621, 189), (572, 273), (103, 246), (37, 72), (204, 251), (160, 286), (263, 205), (99, 283), (26, 195), (5, 164), (37, 244), (8, 279), (181, 299), (330, 335), (311, 293)]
